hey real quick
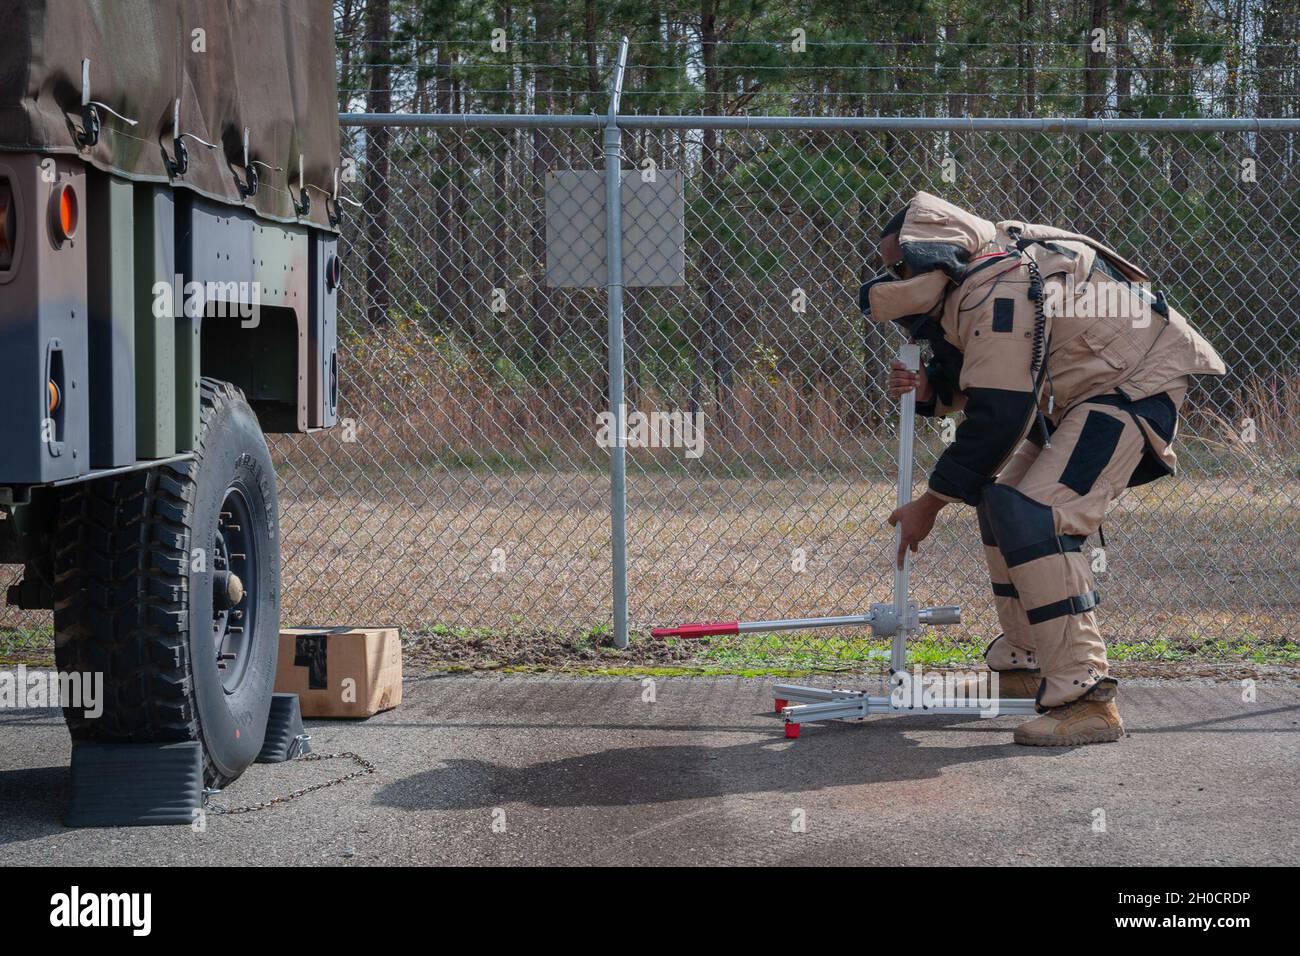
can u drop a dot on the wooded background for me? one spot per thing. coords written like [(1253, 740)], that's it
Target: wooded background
[(451, 215), (863, 57)]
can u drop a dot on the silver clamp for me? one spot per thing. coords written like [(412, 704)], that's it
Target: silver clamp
[(885, 618)]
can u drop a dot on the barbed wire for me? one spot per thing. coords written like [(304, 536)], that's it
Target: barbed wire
[(785, 43), (1137, 79), (852, 68)]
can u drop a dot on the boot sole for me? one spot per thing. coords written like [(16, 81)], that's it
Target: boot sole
[(1070, 740)]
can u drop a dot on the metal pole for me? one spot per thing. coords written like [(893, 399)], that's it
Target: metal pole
[(613, 142), (910, 356), (855, 123)]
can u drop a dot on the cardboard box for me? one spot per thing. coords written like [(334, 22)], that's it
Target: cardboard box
[(341, 671)]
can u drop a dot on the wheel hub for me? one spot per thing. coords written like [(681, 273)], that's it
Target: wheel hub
[(227, 590), (234, 576)]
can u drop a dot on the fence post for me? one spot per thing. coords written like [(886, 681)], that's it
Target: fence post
[(613, 143)]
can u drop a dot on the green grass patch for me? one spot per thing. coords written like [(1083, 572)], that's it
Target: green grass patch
[(685, 670), (811, 652), (1206, 650), (31, 645)]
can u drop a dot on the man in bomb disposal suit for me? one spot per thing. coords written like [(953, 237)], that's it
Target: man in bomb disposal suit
[(1070, 374)]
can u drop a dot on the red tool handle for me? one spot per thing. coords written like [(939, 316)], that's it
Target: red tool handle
[(690, 631)]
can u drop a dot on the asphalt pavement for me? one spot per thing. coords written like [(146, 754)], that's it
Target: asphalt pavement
[(551, 770)]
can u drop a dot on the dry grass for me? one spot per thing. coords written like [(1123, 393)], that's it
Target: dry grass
[(1193, 561), (470, 511), (1265, 431), (409, 533), (416, 397), (1192, 564)]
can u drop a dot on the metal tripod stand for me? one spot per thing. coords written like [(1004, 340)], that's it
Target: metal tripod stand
[(897, 620)]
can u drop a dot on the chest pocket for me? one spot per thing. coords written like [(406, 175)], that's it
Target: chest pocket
[(998, 340), (1112, 335), (1113, 339)]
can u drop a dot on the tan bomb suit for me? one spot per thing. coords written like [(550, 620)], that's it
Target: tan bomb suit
[(1113, 363)]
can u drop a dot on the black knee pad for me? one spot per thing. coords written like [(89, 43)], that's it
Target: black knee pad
[(1023, 528), (987, 537)]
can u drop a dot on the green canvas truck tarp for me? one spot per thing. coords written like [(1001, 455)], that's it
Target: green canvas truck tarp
[(264, 65)]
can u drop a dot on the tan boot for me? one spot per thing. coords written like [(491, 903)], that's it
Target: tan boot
[(1092, 719), (1011, 685), (1015, 685)]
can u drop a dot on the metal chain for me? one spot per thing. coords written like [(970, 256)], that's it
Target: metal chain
[(366, 768)]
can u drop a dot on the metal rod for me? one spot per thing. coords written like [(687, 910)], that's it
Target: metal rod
[(961, 124), (799, 692), (476, 120), (123, 469), (1060, 124), (828, 709), (718, 628), (613, 143), (799, 623), (860, 706), (910, 356)]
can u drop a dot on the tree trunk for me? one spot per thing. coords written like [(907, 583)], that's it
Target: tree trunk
[(1092, 153), (1123, 69), (1028, 60), (502, 150), (543, 161), (346, 24), (460, 219), (442, 226), (716, 343), (379, 99)]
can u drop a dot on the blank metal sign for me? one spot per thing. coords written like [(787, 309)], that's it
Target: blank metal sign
[(654, 230)]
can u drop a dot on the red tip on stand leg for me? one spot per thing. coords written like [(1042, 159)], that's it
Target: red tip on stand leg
[(781, 704), (693, 631), (792, 730)]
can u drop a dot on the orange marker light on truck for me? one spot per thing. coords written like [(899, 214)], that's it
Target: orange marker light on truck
[(8, 225), (64, 212), (54, 396)]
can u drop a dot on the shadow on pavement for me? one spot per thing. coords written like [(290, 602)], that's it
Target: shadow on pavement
[(1212, 725), (828, 755), (33, 802)]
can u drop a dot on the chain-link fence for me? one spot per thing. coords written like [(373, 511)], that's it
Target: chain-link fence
[(476, 494), (466, 491)]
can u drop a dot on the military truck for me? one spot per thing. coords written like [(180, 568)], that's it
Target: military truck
[(168, 283)]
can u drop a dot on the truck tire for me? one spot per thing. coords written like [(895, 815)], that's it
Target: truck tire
[(145, 593)]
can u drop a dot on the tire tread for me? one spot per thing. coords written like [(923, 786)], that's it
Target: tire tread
[(121, 589)]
